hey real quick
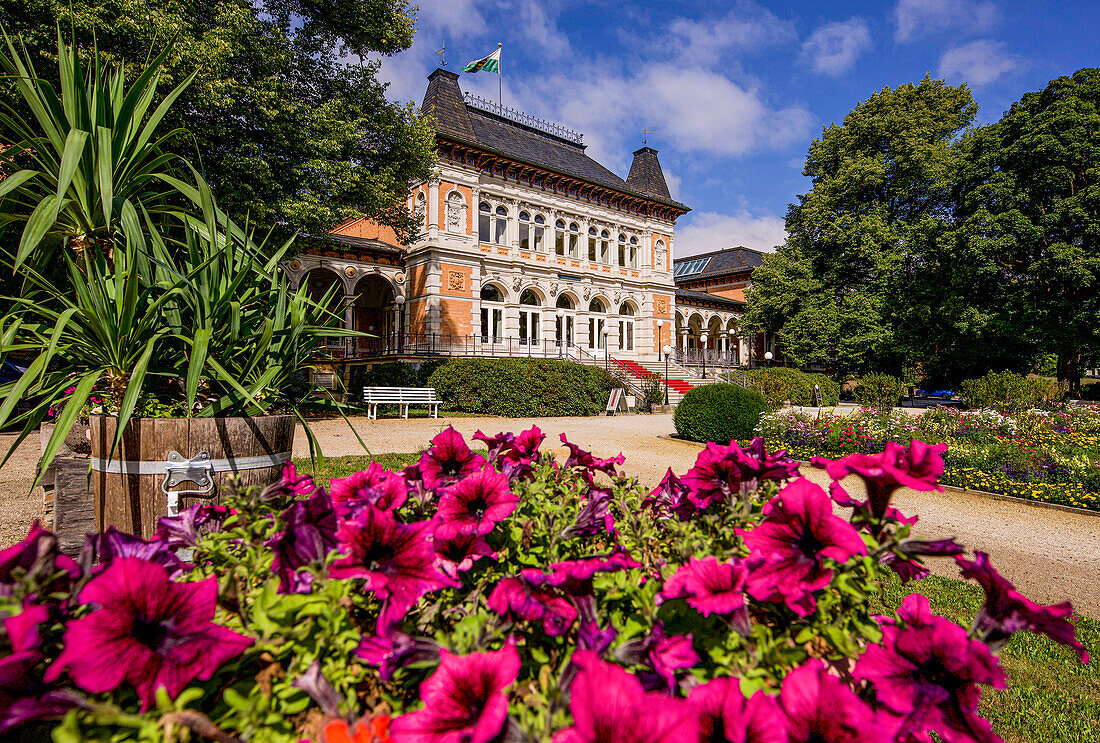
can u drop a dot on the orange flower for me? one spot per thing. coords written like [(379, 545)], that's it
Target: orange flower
[(375, 730)]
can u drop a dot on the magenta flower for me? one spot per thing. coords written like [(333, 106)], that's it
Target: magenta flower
[(448, 460), (577, 572), (610, 706), (459, 553), (374, 486), (728, 473), (35, 559), (595, 516), (395, 650), (790, 546), (395, 559), (513, 456), (1006, 611), (464, 700), (107, 546), (475, 504), (710, 587), (290, 485), (917, 466), (670, 498), (820, 708), (927, 675), (516, 599), (662, 654), (912, 569), (726, 716), (307, 537), (189, 525), (582, 459), (145, 630)]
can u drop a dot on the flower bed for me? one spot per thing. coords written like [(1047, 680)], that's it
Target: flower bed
[(510, 597), (1046, 456)]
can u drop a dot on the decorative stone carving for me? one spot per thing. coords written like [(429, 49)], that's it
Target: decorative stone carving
[(517, 282), (456, 281), (587, 292), (554, 289), (456, 213)]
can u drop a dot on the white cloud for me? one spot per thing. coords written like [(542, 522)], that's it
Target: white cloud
[(917, 18), (834, 48), (746, 28), (708, 231), (979, 62)]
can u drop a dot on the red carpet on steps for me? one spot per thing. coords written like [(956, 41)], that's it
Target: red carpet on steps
[(637, 370)]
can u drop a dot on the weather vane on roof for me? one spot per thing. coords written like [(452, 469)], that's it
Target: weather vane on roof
[(645, 140), (443, 61)]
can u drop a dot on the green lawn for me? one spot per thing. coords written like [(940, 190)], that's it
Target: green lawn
[(1050, 697)]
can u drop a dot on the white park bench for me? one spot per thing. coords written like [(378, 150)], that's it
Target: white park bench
[(403, 396)]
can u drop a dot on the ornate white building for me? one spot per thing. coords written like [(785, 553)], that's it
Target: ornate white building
[(529, 247)]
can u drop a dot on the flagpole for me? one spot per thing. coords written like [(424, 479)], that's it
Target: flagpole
[(500, 82)]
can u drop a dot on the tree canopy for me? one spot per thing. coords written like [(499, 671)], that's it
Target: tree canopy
[(286, 119)]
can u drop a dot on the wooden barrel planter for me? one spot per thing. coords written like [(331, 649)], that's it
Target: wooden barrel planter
[(157, 454)]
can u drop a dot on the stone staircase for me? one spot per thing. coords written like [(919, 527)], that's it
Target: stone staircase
[(679, 379)]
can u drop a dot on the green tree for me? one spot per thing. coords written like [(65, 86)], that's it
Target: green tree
[(883, 185), (285, 121), (1040, 200)]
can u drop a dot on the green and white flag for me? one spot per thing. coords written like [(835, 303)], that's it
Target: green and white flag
[(489, 64)]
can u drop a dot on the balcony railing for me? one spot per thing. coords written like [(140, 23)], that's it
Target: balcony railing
[(451, 344)]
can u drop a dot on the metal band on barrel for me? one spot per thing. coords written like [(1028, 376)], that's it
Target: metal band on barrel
[(131, 467)]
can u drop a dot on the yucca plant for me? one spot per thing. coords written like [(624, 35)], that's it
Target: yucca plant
[(88, 159)]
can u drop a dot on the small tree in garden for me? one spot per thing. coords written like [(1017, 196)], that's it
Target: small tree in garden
[(505, 595)]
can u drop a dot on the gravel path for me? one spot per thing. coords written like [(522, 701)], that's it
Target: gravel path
[(1050, 555)]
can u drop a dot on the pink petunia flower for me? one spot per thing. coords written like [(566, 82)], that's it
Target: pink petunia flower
[(394, 650), (918, 466), (726, 716), (189, 525), (145, 630), (790, 546), (395, 559), (375, 486), (728, 473), (662, 654), (1006, 611), (610, 706), (464, 700), (820, 708), (307, 537), (670, 498), (710, 586), (459, 553), (927, 674), (36, 557), (475, 504), (448, 460), (516, 599), (582, 459)]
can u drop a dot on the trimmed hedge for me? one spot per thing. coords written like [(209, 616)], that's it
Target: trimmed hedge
[(519, 388), (781, 384), (392, 374), (719, 412), (1009, 392)]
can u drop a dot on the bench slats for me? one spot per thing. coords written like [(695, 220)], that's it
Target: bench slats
[(402, 396)]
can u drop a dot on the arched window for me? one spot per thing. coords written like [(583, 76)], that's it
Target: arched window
[(500, 234), (622, 250), (596, 325), (574, 240), (632, 253), (524, 231), (529, 297), (422, 211), (605, 247), (564, 302), (492, 314), (529, 318), (592, 244), (484, 222), (626, 327), (559, 237)]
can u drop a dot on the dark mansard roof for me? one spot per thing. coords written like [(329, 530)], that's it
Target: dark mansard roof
[(716, 263)]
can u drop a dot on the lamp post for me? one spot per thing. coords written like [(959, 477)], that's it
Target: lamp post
[(606, 356), (560, 314), (660, 333), (668, 352), (768, 356), (817, 394), (703, 338), (400, 299)]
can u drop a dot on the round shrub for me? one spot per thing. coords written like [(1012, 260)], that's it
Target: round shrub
[(1009, 392), (781, 384), (719, 412), (518, 388)]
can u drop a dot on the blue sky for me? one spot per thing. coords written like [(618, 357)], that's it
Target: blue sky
[(735, 91)]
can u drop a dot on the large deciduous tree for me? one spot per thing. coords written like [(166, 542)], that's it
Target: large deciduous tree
[(882, 187), (286, 118)]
